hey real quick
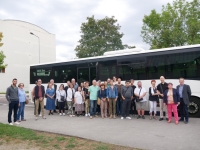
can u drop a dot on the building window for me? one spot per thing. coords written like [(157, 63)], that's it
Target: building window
[(2, 70)]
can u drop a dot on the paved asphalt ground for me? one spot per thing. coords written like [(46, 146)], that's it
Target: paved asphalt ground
[(144, 134)]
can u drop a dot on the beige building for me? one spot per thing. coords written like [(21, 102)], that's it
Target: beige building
[(22, 49)]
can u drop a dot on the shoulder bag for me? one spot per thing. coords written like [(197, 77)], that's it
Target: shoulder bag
[(137, 97), (62, 98), (99, 100)]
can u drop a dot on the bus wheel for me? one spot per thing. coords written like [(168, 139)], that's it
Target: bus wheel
[(194, 107)]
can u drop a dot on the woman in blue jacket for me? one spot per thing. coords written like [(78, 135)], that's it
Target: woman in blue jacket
[(22, 100), (172, 100)]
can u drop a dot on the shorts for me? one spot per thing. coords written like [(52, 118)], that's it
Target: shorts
[(140, 105)]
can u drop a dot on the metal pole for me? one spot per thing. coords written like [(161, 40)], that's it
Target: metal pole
[(39, 48)]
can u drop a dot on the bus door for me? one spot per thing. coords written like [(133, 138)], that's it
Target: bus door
[(86, 74)]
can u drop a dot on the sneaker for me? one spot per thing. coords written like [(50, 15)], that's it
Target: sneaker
[(11, 124), (143, 117), (44, 117), (40, 115), (60, 114), (86, 115), (128, 118), (36, 118), (90, 117), (17, 123), (122, 118), (70, 115), (73, 115), (89, 114), (161, 119), (63, 114), (138, 117)]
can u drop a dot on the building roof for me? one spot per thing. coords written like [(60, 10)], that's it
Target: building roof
[(27, 23)]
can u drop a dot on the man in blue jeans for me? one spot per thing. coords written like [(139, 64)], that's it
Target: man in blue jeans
[(93, 91), (13, 99)]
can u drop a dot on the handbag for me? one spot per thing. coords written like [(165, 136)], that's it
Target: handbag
[(99, 100), (62, 98), (27, 101), (137, 97)]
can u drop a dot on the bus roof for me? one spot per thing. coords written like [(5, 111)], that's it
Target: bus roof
[(145, 51)]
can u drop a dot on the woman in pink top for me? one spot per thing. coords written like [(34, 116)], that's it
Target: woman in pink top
[(172, 100)]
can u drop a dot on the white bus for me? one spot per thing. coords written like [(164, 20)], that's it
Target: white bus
[(137, 64)]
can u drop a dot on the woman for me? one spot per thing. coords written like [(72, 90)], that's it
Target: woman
[(22, 99), (172, 100), (79, 101), (102, 94), (61, 97), (87, 99), (82, 85), (153, 98), (106, 86), (50, 103), (70, 100)]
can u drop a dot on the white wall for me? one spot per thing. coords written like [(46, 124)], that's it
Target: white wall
[(21, 50)]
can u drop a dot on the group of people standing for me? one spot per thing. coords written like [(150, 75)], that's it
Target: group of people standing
[(110, 99)]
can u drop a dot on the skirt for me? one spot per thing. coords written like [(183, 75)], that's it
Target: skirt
[(79, 107)]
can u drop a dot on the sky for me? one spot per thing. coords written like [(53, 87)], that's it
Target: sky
[(64, 17)]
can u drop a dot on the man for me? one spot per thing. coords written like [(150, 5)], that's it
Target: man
[(161, 88), (13, 100), (114, 80), (67, 86), (127, 96), (184, 93), (39, 98), (133, 105), (75, 85), (54, 86), (112, 95), (108, 82), (140, 92), (119, 99), (93, 91), (33, 95)]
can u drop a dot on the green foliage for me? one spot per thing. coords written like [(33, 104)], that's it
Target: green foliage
[(98, 37), (2, 56), (178, 24)]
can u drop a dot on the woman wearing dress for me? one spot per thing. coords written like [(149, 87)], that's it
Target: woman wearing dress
[(61, 97), (50, 103), (79, 101), (22, 99), (153, 98), (172, 100)]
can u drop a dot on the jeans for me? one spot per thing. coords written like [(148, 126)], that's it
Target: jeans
[(21, 111), (183, 110), (126, 107), (119, 106), (133, 108), (93, 107), (13, 105)]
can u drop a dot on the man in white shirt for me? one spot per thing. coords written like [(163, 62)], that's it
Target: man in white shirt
[(140, 93)]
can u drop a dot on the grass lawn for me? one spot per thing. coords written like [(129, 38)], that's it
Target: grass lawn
[(13, 138)]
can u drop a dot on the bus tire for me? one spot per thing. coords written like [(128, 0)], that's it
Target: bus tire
[(194, 107)]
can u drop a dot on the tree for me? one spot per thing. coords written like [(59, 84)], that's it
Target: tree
[(178, 24), (2, 56), (98, 37)]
